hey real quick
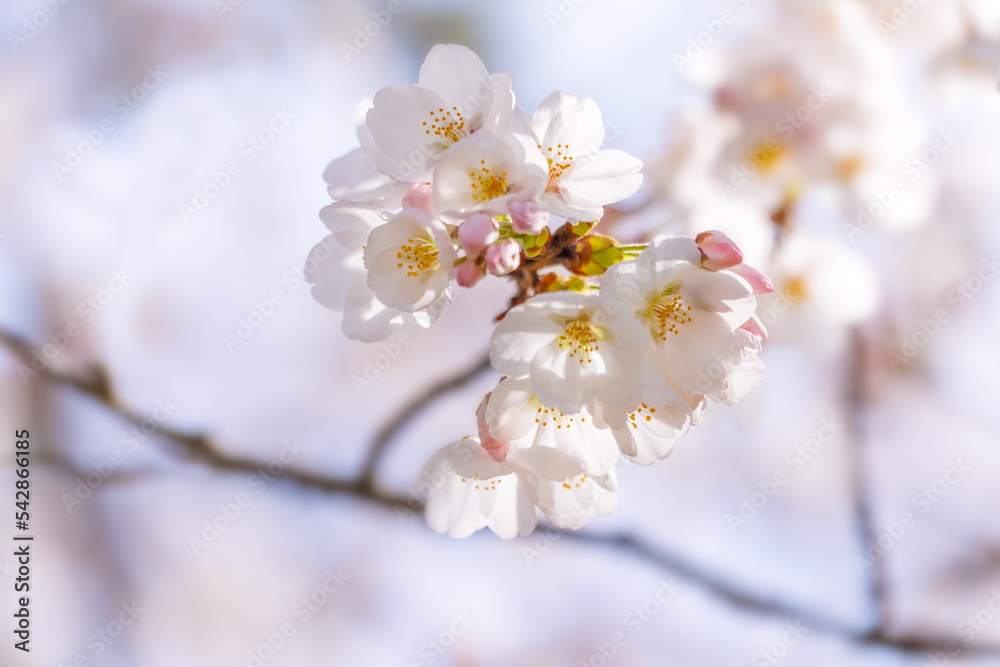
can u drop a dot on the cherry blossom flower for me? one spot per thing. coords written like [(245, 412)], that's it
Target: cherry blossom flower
[(689, 313), (646, 430), (515, 415), (338, 273), (582, 179), (355, 177), (469, 490), (413, 126), (574, 348), (484, 174), (411, 261)]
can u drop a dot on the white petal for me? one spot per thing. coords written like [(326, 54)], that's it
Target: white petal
[(742, 381), (518, 336), (600, 179), (397, 126), (351, 217), (569, 506), (721, 292), (510, 412), (466, 490), (701, 355), (331, 268), (563, 119), (458, 75), (354, 177), (365, 317)]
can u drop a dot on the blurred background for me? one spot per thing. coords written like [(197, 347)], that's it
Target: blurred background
[(197, 420)]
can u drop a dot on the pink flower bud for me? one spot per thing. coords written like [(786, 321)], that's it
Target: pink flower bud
[(469, 273), (759, 283), (497, 449), (718, 251), (418, 195), (477, 233), (527, 217), (503, 257)]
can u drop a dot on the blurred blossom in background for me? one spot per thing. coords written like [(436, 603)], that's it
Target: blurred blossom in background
[(161, 177)]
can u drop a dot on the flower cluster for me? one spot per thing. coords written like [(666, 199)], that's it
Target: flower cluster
[(609, 350)]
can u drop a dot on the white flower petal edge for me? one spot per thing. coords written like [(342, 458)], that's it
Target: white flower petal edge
[(547, 442), (336, 270), (574, 347), (569, 505), (647, 430), (410, 260), (484, 174), (355, 177), (582, 179), (466, 490), (691, 314), (455, 97)]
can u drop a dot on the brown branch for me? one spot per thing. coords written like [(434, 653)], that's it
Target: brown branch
[(855, 391), (199, 448), (386, 434)]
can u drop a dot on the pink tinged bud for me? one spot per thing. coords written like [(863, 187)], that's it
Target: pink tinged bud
[(469, 273), (418, 195), (477, 233), (759, 283), (755, 326), (497, 449), (718, 251), (503, 257), (527, 217)]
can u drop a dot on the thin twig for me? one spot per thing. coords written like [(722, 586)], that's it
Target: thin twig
[(386, 434), (855, 391), (200, 448)]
